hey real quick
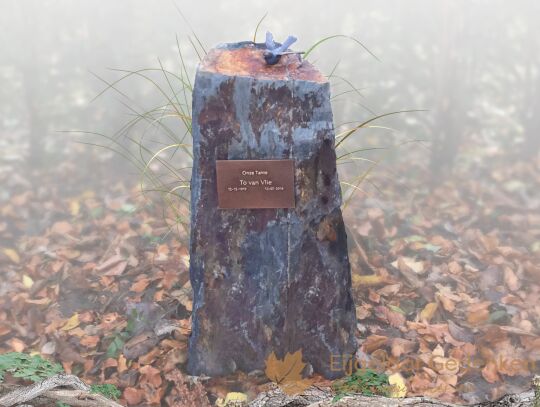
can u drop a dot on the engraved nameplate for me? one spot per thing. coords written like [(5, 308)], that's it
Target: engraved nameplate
[(255, 184)]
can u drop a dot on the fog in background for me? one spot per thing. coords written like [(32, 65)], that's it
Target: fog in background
[(443, 231), (472, 64)]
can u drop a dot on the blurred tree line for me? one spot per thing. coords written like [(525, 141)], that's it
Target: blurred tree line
[(473, 64)]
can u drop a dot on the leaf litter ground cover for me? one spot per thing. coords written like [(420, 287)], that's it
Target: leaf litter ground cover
[(446, 283)]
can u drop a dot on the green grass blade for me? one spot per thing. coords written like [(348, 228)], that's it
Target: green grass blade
[(363, 124)]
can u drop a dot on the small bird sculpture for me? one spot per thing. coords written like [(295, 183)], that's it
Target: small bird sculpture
[(274, 51)]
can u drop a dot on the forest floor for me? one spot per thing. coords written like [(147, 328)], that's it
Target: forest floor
[(446, 281)]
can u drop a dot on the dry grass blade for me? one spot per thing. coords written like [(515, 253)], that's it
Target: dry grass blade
[(258, 25), (314, 46)]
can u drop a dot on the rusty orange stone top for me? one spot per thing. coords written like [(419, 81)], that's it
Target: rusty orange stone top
[(246, 59)]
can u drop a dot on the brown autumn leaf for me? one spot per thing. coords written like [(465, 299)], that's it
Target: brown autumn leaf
[(61, 228), (511, 280), (478, 317), (90, 341), (489, 372), (140, 285), (140, 345), (374, 296), (390, 289), (454, 267), (112, 264), (4, 329), (488, 243), (401, 346), (16, 344), (411, 277), (363, 311), (150, 375), (133, 396), (373, 342), (150, 357), (394, 318), (68, 253), (287, 373), (446, 302)]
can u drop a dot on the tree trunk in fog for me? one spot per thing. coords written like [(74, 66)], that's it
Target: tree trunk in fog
[(531, 120), (30, 68), (530, 87), (35, 122), (452, 77)]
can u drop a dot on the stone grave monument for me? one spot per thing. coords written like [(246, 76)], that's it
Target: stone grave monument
[(269, 265)]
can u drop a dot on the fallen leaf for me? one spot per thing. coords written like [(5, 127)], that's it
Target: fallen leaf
[(90, 341), (399, 388), (12, 255), (16, 344), (110, 263), (396, 319), (233, 398), (373, 342), (416, 266), (460, 333), (454, 267), (401, 346), (74, 207), (446, 302), (4, 329), (68, 253), (61, 228), (27, 281), (511, 280), (140, 285), (287, 373), (133, 396), (428, 312), (48, 348), (71, 323), (140, 345), (478, 317), (150, 375), (489, 372), (367, 280), (410, 275), (390, 289), (122, 364)]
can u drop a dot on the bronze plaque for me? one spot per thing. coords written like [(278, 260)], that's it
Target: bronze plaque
[(255, 184)]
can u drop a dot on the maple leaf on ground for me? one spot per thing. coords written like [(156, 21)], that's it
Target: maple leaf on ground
[(287, 373)]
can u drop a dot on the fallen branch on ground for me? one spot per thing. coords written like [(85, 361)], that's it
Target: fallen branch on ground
[(48, 390), (322, 397)]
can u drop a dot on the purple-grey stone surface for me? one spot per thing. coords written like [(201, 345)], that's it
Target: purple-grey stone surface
[(266, 280)]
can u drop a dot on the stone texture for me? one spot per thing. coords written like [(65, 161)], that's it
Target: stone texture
[(266, 279)]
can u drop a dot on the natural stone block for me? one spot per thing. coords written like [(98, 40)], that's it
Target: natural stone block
[(266, 279)]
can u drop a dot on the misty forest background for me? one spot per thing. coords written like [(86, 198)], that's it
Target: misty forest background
[(442, 205)]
